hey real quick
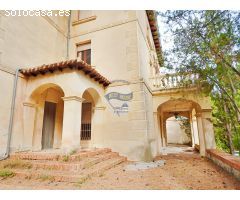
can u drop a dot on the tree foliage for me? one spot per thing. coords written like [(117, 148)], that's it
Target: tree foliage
[(208, 43)]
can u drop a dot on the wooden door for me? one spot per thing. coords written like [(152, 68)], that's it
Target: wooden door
[(48, 125)]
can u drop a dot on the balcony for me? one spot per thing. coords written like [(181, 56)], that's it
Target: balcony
[(174, 81)]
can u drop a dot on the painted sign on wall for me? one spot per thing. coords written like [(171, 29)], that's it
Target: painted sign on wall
[(119, 96)]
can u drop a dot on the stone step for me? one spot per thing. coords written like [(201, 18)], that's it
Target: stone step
[(81, 155), (35, 156), (56, 156), (72, 165), (67, 176)]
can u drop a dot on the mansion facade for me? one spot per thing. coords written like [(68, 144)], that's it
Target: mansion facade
[(92, 80)]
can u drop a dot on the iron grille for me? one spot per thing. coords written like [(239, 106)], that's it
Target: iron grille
[(86, 131)]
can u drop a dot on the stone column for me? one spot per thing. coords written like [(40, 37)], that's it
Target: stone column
[(71, 122), (157, 131), (164, 132), (192, 130), (29, 111), (201, 134), (97, 135), (208, 129)]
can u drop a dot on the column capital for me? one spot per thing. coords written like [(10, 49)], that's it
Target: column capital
[(28, 104), (73, 98)]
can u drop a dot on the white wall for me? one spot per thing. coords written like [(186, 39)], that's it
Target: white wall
[(176, 135), (5, 107), (32, 41)]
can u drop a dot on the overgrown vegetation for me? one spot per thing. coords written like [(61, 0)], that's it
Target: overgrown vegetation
[(45, 177), (82, 181), (19, 164), (186, 126), (5, 173), (74, 151), (65, 158), (208, 43)]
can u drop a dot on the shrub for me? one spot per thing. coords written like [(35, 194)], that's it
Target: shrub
[(5, 173)]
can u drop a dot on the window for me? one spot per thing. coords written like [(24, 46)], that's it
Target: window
[(85, 56), (84, 51)]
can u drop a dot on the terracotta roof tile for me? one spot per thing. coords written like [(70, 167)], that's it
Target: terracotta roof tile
[(152, 19), (71, 64)]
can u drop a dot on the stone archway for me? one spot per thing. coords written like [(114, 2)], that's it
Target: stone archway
[(43, 118), (91, 120), (186, 108)]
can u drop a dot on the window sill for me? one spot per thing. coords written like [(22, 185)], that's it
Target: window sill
[(84, 20)]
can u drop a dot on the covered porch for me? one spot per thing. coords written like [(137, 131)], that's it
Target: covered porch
[(62, 108)]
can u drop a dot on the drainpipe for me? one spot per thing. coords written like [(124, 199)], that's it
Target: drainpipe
[(68, 34), (10, 126)]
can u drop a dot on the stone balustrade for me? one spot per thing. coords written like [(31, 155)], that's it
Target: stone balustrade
[(176, 80)]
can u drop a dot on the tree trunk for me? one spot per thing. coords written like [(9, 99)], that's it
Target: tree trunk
[(228, 129), (234, 91)]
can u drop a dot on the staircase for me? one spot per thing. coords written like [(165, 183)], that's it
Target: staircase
[(75, 167)]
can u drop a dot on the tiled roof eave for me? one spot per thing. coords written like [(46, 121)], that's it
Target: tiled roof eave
[(152, 19), (71, 64)]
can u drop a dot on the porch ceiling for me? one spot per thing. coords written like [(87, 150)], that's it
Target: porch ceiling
[(74, 64)]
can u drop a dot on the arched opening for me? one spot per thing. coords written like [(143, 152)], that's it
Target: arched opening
[(91, 101), (178, 124), (178, 131), (48, 120)]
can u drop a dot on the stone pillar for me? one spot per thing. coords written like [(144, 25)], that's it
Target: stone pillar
[(195, 130), (164, 132), (29, 111), (58, 125), (157, 131), (71, 122), (192, 132), (97, 135), (201, 134), (208, 129)]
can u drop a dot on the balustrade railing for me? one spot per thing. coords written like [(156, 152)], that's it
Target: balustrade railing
[(176, 80)]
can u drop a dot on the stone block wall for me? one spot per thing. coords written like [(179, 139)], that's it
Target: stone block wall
[(227, 161)]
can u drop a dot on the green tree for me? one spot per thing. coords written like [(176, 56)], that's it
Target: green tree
[(208, 43)]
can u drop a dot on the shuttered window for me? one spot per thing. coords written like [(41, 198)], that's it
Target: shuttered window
[(84, 52)]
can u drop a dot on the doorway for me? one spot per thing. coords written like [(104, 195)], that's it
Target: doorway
[(178, 131), (48, 125)]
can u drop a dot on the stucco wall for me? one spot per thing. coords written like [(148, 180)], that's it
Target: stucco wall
[(146, 49), (32, 41), (25, 42), (5, 107), (113, 43), (175, 134)]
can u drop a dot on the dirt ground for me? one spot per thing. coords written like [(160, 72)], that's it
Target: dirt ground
[(185, 170)]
